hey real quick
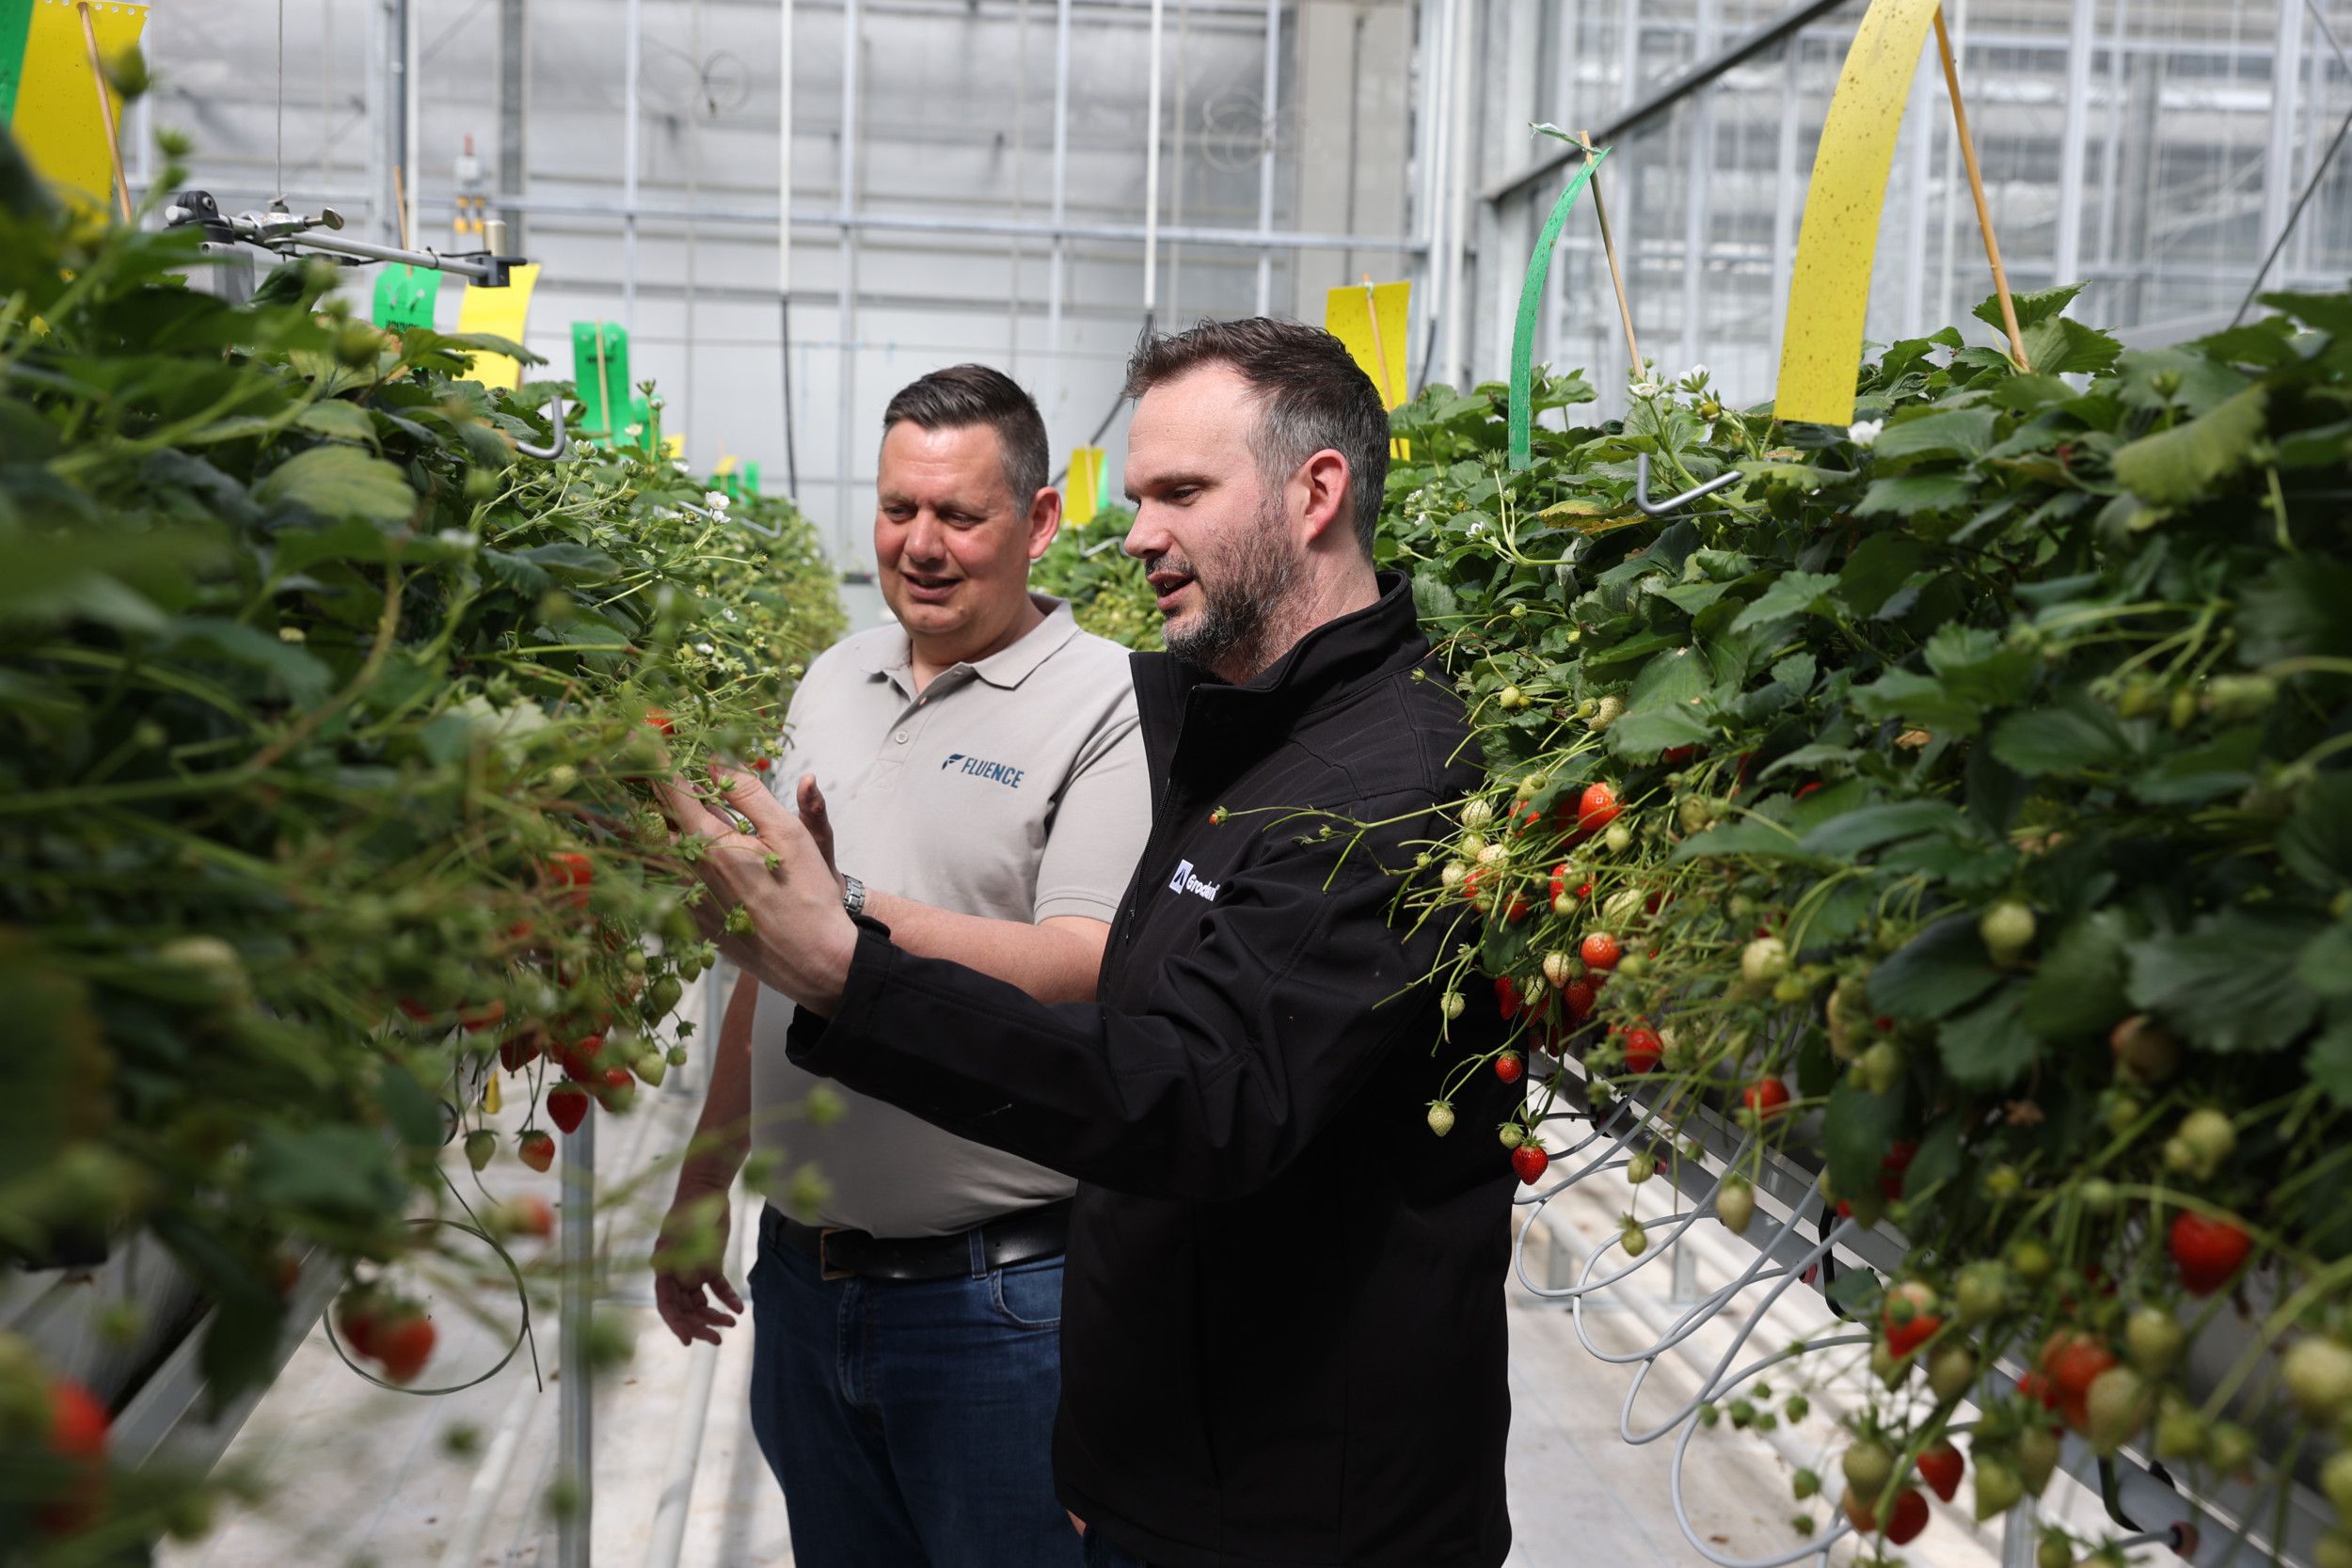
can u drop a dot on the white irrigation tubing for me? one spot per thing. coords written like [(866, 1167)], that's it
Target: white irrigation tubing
[(1712, 1385), (1606, 1161), (1818, 1547)]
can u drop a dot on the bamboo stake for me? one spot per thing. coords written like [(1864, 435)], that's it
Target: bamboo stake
[(106, 111), (1609, 248), (1976, 187)]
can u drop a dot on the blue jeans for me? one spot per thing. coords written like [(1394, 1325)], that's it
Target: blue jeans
[(911, 1422)]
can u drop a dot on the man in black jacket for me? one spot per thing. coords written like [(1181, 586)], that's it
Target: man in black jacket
[(1282, 1335)]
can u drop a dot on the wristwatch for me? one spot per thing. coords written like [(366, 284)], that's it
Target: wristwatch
[(852, 895)]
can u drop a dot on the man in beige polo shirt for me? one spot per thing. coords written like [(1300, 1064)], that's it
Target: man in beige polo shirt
[(981, 772)]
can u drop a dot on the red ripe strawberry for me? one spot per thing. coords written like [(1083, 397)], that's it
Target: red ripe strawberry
[(2207, 1252), (2038, 1387), (1507, 996), (1529, 1160), (567, 1106), (77, 1422), (1766, 1096), (355, 1319), (1940, 1467), (1580, 997), (537, 1150), (416, 1010), (572, 870), (1911, 1516), (760, 765), (1643, 1049), (77, 1434), (1595, 809), (1599, 951), (1910, 1317), (2073, 1361), (1515, 908), (1892, 1167), (579, 1058), (1510, 1067), (615, 1089), (532, 1215), (1560, 888), (403, 1344), (515, 1055), (485, 1015), (660, 720)]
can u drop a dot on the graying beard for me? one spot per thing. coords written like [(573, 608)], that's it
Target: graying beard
[(1239, 617)]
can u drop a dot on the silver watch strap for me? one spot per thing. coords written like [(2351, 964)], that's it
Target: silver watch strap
[(853, 895)]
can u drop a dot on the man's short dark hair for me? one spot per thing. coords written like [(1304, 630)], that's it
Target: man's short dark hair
[(1311, 395), (962, 396)]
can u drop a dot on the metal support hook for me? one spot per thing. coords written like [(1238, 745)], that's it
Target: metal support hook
[(562, 437), (1661, 508)]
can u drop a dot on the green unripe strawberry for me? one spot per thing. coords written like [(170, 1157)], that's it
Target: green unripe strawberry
[(2006, 929), (1951, 1371), (1881, 1068), (2318, 1374), (1869, 1467), (2038, 1449), (1440, 1118), (1998, 1489), (2053, 1551), (2152, 1340), (482, 1146), (1981, 1294)]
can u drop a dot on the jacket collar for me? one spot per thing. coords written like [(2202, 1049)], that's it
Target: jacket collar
[(1005, 669), (1329, 664)]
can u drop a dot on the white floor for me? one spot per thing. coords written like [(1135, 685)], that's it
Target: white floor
[(360, 1475)]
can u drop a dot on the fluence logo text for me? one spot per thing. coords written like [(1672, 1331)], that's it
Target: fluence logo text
[(1184, 882), (980, 767)]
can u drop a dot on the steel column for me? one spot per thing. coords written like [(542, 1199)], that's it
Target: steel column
[(1454, 322), (1270, 93), (632, 81), (1697, 211), (514, 106), (846, 547), (575, 1393), (1060, 200), (1152, 172), (2073, 138), (2286, 83)]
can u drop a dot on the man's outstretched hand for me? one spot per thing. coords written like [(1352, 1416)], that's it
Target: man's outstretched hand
[(776, 899)]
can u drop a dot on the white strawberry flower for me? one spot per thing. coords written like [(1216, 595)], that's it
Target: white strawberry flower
[(1862, 433), (718, 500)]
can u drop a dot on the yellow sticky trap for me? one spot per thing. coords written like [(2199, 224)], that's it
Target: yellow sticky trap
[(1829, 289), (56, 119), (492, 1100), (502, 313), (673, 448), (1082, 496), (1371, 320)]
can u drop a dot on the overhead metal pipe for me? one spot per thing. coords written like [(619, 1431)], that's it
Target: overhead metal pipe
[(1681, 87)]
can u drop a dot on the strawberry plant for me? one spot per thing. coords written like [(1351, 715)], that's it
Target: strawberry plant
[(323, 717), (1971, 822), (1104, 584)]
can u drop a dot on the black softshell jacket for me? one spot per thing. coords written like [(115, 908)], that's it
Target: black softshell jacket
[(1283, 1318)]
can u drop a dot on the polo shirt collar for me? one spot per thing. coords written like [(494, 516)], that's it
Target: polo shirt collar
[(1006, 669)]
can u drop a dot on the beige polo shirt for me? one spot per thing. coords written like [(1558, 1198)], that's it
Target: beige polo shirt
[(1014, 789)]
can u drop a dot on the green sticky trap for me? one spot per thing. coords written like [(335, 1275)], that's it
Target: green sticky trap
[(600, 374), (404, 297), (1531, 300), (749, 479), (16, 25)]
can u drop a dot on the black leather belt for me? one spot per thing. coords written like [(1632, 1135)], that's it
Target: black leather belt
[(1017, 1238)]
